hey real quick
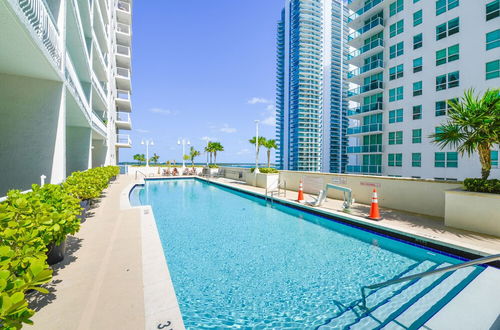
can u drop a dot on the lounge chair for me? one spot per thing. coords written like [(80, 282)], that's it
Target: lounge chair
[(318, 201), (175, 172)]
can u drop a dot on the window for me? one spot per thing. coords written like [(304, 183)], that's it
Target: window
[(415, 1), (396, 28), (395, 116), (447, 29), (417, 88), (417, 65), (450, 80), (396, 72), (443, 5), (396, 137), (449, 54), (395, 160), (493, 69), (494, 158), (446, 159), (396, 7), (416, 135), (492, 9), (441, 108), (396, 50), (417, 18), (396, 94), (493, 39), (417, 112), (416, 159), (417, 41)]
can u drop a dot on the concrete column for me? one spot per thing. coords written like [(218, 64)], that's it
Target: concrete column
[(78, 144)]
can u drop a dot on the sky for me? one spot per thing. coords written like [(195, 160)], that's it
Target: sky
[(203, 70)]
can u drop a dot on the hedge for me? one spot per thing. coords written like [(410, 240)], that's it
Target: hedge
[(480, 185), (265, 170)]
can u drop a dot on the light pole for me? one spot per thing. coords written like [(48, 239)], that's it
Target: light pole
[(183, 142), (256, 147), (208, 143), (147, 143)]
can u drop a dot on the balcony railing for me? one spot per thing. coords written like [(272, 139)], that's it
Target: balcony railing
[(122, 72), (123, 50), (363, 10), (74, 84), (123, 28), (125, 6), (365, 48), (365, 88), (365, 68), (98, 124), (367, 169), (123, 117), (376, 22), (376, 127), (123, 95), (123, 139), (43, 24), (365, 108), (364, 149)]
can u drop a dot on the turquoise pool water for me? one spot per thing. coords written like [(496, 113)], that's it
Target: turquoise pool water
[(237, 262)]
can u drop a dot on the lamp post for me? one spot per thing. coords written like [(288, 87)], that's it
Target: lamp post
[(208, 142), (183, 142), (147, 143), (256, 147)]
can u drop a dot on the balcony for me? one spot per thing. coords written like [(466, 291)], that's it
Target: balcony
[(123, 34), (372, 107), (98, 125), (123, 102), (370, 128), (122, 56), (361, 10), (357, 94), (123, 78), (373, 148), (123, 12), (357, 75), (372, 48), (123, 141), (371, 28), (75, 87), (364, 169), (123, 121)]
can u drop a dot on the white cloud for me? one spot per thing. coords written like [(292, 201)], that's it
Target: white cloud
[(161, 111), (243, 152), (271, 121), (139, 130), (208, 138), (227, 129), (271, 107), (256, 100)]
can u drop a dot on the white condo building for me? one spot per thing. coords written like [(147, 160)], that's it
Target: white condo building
[(407, 58), (65, 84)]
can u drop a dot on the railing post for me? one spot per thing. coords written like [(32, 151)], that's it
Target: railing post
[(42, 180)]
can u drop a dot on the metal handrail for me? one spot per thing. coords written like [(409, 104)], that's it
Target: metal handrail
[(479, 261), (137, 171)]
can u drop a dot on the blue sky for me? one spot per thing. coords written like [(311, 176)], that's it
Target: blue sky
[(203, 69)]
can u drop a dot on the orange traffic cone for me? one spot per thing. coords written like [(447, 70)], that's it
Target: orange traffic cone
[(300, 198), (374, 212)]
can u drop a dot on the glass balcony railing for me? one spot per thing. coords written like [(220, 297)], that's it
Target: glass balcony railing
[(365, 68), (364, 149), (376, 127), (125, 6), (365, 108), (376, 22), (366, 169), (363, 10), (365, 88), (365, 48)]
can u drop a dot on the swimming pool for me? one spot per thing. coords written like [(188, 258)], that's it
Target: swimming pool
[(237, 262)]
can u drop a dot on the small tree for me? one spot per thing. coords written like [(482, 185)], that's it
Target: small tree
[(473, 125), (216, 146), (192, 154), (210, 149), (154, 159), (269, 144), (261, 142), (140, 158)]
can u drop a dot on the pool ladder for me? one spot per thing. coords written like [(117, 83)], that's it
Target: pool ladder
[(280, 191), (479, 261)]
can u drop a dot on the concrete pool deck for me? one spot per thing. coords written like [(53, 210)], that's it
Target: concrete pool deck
[(109, 280)]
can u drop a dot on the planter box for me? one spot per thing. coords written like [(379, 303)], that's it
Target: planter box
[(267, 181), (56, 253), (478, 212)]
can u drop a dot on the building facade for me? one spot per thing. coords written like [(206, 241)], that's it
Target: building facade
[(311, 106), (65, 84), (409, 57)]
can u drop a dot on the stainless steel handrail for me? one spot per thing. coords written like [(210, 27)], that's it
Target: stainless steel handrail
[(479, 261), (139, 172)]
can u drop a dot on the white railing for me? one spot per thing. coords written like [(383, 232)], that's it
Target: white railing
[(123, 117), (123, 95), (122, 72), (122, 50), (42, 22), (74, 83), (123, 28), (123, 6), (99, 124), (123, 139), (99, 87)]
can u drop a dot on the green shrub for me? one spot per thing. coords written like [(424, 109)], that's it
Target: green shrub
[(480, 185), (90, 184), (213, 166), (265, 170)]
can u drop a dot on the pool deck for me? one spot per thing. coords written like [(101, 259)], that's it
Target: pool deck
[(115, 275)]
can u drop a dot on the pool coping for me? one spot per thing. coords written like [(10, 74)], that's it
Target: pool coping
[(161, 308)]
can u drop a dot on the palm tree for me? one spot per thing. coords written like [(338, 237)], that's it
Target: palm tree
[(473, 124), (217, 146), (154, 159), (262, 141), (269, 144), (192, 154), (209, 149), (140, 158)]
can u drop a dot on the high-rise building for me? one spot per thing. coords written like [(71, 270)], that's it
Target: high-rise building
[(410, 57), (64, 87), (311, 105)]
